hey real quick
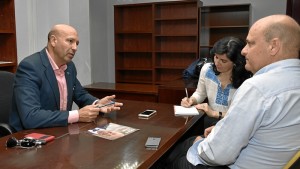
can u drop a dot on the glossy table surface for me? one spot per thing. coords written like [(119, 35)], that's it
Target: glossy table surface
[(74, 147)]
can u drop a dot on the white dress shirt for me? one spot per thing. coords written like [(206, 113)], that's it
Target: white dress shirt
[(261, 129)]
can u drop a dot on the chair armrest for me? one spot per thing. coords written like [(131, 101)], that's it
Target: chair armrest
[(5, 129)]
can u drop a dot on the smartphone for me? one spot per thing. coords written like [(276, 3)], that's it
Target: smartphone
[(147, 113)]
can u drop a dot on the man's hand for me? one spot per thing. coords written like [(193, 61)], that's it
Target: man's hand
[(109, 108), (197, 138), (88, 113), (208, 130)]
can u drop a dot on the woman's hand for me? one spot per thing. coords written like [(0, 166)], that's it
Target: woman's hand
[(205, 107), (187, 102)]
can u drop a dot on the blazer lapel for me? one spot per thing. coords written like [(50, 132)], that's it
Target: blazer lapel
[(49, 73), (70, 86)]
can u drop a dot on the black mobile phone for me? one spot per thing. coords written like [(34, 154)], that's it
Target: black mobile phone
[(147, 113)]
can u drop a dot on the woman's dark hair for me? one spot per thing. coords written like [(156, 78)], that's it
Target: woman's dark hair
[(232, 47)]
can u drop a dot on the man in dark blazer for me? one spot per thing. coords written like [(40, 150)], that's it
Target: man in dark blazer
[(46, 86)]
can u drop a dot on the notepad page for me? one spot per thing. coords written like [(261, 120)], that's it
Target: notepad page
[(185, 111)]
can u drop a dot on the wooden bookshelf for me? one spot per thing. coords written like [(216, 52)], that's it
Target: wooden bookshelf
[(8, 44), (155, 42), (220, 21)]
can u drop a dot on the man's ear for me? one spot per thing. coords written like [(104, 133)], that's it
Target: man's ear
[(275, 46), (53, 40)]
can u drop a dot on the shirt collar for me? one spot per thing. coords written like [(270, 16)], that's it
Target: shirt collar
[(280, 64), (54, 65)]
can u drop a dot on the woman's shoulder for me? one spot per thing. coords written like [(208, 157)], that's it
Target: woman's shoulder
[(207, 66), (207, 71)]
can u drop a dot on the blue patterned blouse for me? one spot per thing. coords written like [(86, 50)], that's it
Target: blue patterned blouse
[(210, 87)]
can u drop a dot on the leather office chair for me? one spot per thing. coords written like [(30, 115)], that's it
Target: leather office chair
[(294, 163), (6, 90)]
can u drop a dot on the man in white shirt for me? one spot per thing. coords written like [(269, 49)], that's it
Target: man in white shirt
[(261, 127)]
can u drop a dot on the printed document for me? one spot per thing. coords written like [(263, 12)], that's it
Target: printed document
[(112, 131)]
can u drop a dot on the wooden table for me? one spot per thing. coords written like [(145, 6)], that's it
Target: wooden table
[(74, 147)]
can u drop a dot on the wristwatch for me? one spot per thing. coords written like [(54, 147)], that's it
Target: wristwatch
[(220, 115)]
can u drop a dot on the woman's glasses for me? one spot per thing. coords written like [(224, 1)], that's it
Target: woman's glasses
[(24, 143)]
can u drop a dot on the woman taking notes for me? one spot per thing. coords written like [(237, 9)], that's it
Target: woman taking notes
[(219, 80)]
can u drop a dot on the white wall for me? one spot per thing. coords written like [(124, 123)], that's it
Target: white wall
[(79, 18), (34, 19), (94, 21), (101, 61)]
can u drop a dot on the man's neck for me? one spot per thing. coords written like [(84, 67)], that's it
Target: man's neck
[(51, 54)]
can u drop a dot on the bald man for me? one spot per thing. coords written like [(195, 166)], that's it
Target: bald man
[(46, 85), (261, 127)]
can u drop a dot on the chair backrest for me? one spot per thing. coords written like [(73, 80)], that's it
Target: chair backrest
[(294, 163), (6, 92)]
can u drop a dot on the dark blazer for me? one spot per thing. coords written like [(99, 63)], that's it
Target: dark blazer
[(36, 101)]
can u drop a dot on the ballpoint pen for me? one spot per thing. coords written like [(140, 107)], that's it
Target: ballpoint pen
[(186, 119), (110, 103), (186, 92)]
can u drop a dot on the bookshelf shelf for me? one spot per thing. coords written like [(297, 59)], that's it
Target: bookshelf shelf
[(155, 42), (8, 44)]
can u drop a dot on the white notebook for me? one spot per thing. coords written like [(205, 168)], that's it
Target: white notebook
[(184, 111)]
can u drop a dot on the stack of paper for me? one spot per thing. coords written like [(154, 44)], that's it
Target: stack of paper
[(184, 111)]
